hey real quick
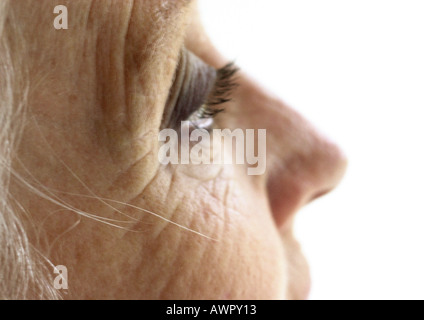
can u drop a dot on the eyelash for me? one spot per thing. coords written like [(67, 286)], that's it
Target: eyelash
[(222, 91)]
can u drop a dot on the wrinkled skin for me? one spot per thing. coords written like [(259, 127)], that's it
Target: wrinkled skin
[(97, 95)]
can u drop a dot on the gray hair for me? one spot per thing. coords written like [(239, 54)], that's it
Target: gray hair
[(23, 271)]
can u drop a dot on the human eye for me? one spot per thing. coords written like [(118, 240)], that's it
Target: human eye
[(199, 92)]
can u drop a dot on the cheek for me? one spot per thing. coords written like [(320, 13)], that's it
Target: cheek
[(240, 256)]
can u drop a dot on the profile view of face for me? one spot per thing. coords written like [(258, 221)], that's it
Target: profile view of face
[(97, 200)]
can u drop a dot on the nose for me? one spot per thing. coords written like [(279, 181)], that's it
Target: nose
[(302, 164), (303, 173)]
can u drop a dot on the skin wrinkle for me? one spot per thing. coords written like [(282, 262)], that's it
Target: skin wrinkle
[(202, 258), (124, 64), (128, 173), (187, 219), (133, 58), (108, 69), (104, 201), (195, 223), (135, 166), (209, 174), (164, 211), (223, 228), (227, 194), (159, 247), (149, 54), (126, 77), (158, 228), (216, 202), (176, 265), (171, 215), (106, 87), (163, 282), (201, 253), (175, 190), (171, 184), (74, 174)]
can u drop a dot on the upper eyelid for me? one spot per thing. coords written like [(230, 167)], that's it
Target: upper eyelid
[(196, 83), (192, 83)]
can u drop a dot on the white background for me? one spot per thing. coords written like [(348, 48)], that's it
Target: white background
[(355, 69)]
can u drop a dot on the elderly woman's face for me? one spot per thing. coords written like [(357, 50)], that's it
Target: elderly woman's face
[(125, 225)]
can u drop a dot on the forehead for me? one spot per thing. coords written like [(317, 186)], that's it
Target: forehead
[(156, 27), (36, 15), (162, 14), (156, 21), (168, 8)]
